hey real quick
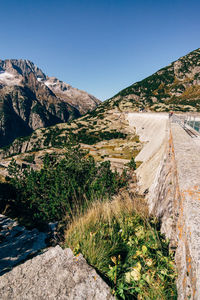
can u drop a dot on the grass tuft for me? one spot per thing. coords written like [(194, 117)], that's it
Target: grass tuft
[(126, 247)]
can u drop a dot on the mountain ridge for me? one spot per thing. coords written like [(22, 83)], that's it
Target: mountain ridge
[(29, 99), (174, 87)]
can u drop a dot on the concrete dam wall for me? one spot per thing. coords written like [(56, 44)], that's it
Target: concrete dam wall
[(170, 177)]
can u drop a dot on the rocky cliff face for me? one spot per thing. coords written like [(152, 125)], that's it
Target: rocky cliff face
[(175, 87), (29, 100), (78, 99)]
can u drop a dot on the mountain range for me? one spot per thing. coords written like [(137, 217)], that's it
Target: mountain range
[(175, 87), (29, 100)]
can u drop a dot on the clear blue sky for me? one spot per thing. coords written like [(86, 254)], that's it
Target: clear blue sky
[(100, 46)]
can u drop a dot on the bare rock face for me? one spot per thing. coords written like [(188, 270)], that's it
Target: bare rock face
[(81, 100), (29, 100), (56, 274)]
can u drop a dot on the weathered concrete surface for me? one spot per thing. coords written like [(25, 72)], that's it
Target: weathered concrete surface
[(187, 156), (176, 202), (56, 274), (157, 173), (165, 194), (17, 243), (153, 131)]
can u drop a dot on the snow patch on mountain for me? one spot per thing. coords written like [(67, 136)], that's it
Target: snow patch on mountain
[(9, 79)]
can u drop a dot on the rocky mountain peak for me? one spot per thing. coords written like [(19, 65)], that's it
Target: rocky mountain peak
[(31, 100), (21, 67)]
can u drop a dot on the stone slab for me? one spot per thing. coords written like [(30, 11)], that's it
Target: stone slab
[(54, 275)]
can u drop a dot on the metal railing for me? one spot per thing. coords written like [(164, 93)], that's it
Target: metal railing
[(189, 123)]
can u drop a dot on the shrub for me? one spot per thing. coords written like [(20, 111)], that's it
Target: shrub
[(7, 193), (132, 164), (63, 185), (30, 158), (93, 137)]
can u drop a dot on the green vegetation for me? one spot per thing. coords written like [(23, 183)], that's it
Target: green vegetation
[(30, 158), (54, 138), (115, 236), (126, 248), (62, 186), (7, 192), (38, 109), (93, 137), (173, 89), (150, 84), (132, 164)]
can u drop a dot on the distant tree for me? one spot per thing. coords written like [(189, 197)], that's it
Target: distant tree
[(132, 164)]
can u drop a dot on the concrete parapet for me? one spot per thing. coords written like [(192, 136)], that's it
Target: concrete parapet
[(187, 156), (170, 176), (175, 199)]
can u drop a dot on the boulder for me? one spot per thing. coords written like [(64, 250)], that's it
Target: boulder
[(55, 274)]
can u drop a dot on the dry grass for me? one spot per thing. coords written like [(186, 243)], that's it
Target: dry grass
[(121, 204), (2, 178), (191, 92), (116, 148), (116, 237)]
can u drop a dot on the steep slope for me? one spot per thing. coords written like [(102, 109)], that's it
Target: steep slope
[(29, 100), (106, 134), (77, 98), (105, 130), (175, 87)]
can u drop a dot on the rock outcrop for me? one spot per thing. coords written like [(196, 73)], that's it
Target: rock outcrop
[(55, 274), (81, 100), (29, 100)]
